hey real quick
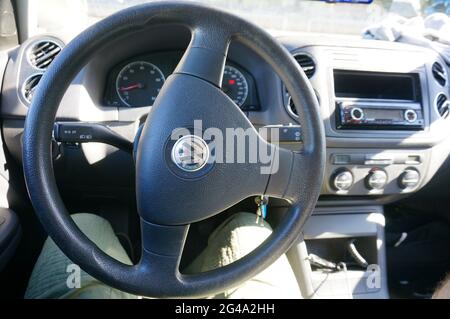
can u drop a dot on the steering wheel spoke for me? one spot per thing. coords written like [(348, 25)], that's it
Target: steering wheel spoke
[(282, 167), (162, 247), (163, 240), (292, 168), (206, 55)]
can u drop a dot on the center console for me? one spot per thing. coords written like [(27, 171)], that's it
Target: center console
[(373, 116), (385, 110), (385, 116)]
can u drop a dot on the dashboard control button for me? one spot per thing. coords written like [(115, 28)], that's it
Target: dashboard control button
[(379, 160), (357, 114), (410, 116), (342, 180), (377, 179), (409, 179), (413, 160), (341, 159)]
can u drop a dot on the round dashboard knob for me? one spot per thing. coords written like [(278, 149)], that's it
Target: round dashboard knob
[(357, 114), (377, 179), (342, 180), (409, 179), (410, 116)]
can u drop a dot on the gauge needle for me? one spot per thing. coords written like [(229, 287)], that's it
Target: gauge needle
[(132, 87)]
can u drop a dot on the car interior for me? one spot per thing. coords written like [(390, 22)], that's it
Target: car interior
[(359, 204)]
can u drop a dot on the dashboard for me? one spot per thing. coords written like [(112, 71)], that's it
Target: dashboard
[(385, 106)]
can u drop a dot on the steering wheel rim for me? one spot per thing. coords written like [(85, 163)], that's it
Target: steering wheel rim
[(164, 229)]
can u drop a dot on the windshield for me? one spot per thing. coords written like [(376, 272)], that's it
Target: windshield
[(72, 16)]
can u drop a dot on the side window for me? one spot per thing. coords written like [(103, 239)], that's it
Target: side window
[(8, 29)]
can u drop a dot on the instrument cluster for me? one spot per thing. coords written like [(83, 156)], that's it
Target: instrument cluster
[(137, 82)]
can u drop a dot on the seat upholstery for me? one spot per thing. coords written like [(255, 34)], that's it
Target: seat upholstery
[(49, 276), (232, 240)]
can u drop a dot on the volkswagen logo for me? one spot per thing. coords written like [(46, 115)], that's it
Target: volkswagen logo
[(190, 153)]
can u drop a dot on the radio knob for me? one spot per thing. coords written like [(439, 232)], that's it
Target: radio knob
[(342, 180), (410, 116), (377, 179), (357, 114), (409, 179)]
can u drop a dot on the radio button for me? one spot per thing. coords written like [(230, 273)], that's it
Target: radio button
[(357, 114), (377, 179), (410, 116), (342, 180)]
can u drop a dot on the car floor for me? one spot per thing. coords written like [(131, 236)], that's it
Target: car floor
[(418, 257)]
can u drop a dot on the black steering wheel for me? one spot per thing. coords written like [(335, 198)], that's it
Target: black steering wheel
[(173, 193)]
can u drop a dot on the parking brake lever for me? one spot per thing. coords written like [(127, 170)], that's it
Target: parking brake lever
[(85, 132)]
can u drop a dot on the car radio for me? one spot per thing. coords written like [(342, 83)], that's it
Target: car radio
[(378, 100), (379, 115)]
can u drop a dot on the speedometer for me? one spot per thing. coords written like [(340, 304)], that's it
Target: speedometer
[(235, 85), (139, 83)]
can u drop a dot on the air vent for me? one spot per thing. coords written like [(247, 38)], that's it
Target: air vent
[(309, 67), (43, 53), (439, 73), (30, 86), (307, 63), (443, 105), (291, 106)]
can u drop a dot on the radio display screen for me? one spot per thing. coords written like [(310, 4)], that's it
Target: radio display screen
[(377, 85), (383, 114)]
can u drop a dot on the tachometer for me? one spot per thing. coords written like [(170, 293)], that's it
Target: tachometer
[(139, 83), (235, 85)]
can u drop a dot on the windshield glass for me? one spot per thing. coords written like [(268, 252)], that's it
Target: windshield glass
[(323, 16)]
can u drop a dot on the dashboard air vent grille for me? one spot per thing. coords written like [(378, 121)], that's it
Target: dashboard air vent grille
[(439, 73), (309, 67), (443, 105), (291, 107), (29, 87), (307, 63), (43, 53)]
